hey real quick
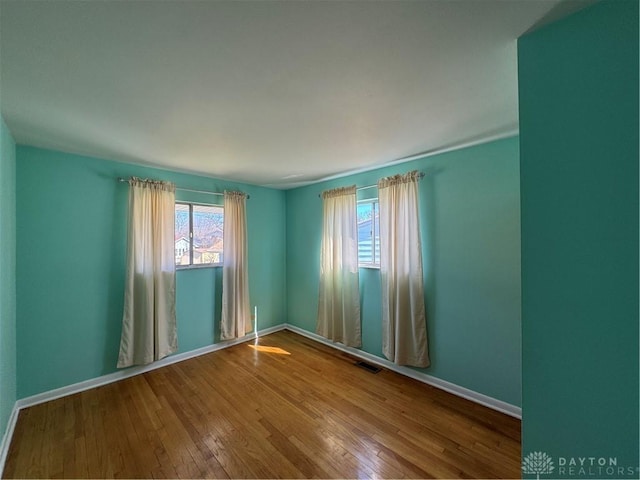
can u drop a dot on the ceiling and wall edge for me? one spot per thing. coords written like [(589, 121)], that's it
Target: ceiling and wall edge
[(290, 186)]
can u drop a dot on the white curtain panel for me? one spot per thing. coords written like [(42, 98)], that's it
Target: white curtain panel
[(404, 327), (339, 296), (236, 314), (149, 318)]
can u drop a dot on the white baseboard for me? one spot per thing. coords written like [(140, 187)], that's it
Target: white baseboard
[(137, 370), (476, 397), (8, 435)]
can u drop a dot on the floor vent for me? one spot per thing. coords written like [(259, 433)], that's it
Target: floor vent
[(368, 367)]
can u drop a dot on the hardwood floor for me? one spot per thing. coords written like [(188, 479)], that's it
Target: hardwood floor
[(288, 407)]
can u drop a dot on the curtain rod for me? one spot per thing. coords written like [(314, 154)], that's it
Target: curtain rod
[(123, 180), (421, 175)]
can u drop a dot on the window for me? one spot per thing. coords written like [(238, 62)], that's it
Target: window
[(368, 233), (198, 234)]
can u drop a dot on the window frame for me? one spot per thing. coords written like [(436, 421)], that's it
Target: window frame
[(375, 208), (192, 265)]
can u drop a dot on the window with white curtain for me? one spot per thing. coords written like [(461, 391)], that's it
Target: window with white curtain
[(404, 323), (339, 291), (149, 330)]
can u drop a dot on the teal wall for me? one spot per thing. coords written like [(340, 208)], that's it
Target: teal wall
[(71, 249), (470, 226), (7, 275), (578, 83)]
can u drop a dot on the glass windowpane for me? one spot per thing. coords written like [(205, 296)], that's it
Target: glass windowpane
[(365, 214), (198, 234), (182, 241), (207, 234), (376, 233)]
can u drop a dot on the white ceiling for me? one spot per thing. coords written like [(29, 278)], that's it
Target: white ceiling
[(272, 93)]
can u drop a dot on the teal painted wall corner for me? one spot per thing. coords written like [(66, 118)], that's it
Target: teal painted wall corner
[(8, 372), (470, 212), (71, 232), (578, 84)]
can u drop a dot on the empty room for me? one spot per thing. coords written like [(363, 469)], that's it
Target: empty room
[(319, 239)]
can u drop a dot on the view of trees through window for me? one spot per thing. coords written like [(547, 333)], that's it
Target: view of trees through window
[(198, 234), (368, 233)]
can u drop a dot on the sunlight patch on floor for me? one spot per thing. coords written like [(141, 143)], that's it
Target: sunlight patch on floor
[(263, 348)]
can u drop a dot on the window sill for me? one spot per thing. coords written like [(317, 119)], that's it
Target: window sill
[(372, 267), (197, 266)]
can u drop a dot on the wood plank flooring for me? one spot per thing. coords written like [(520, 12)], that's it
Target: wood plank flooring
[(287, 407)]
